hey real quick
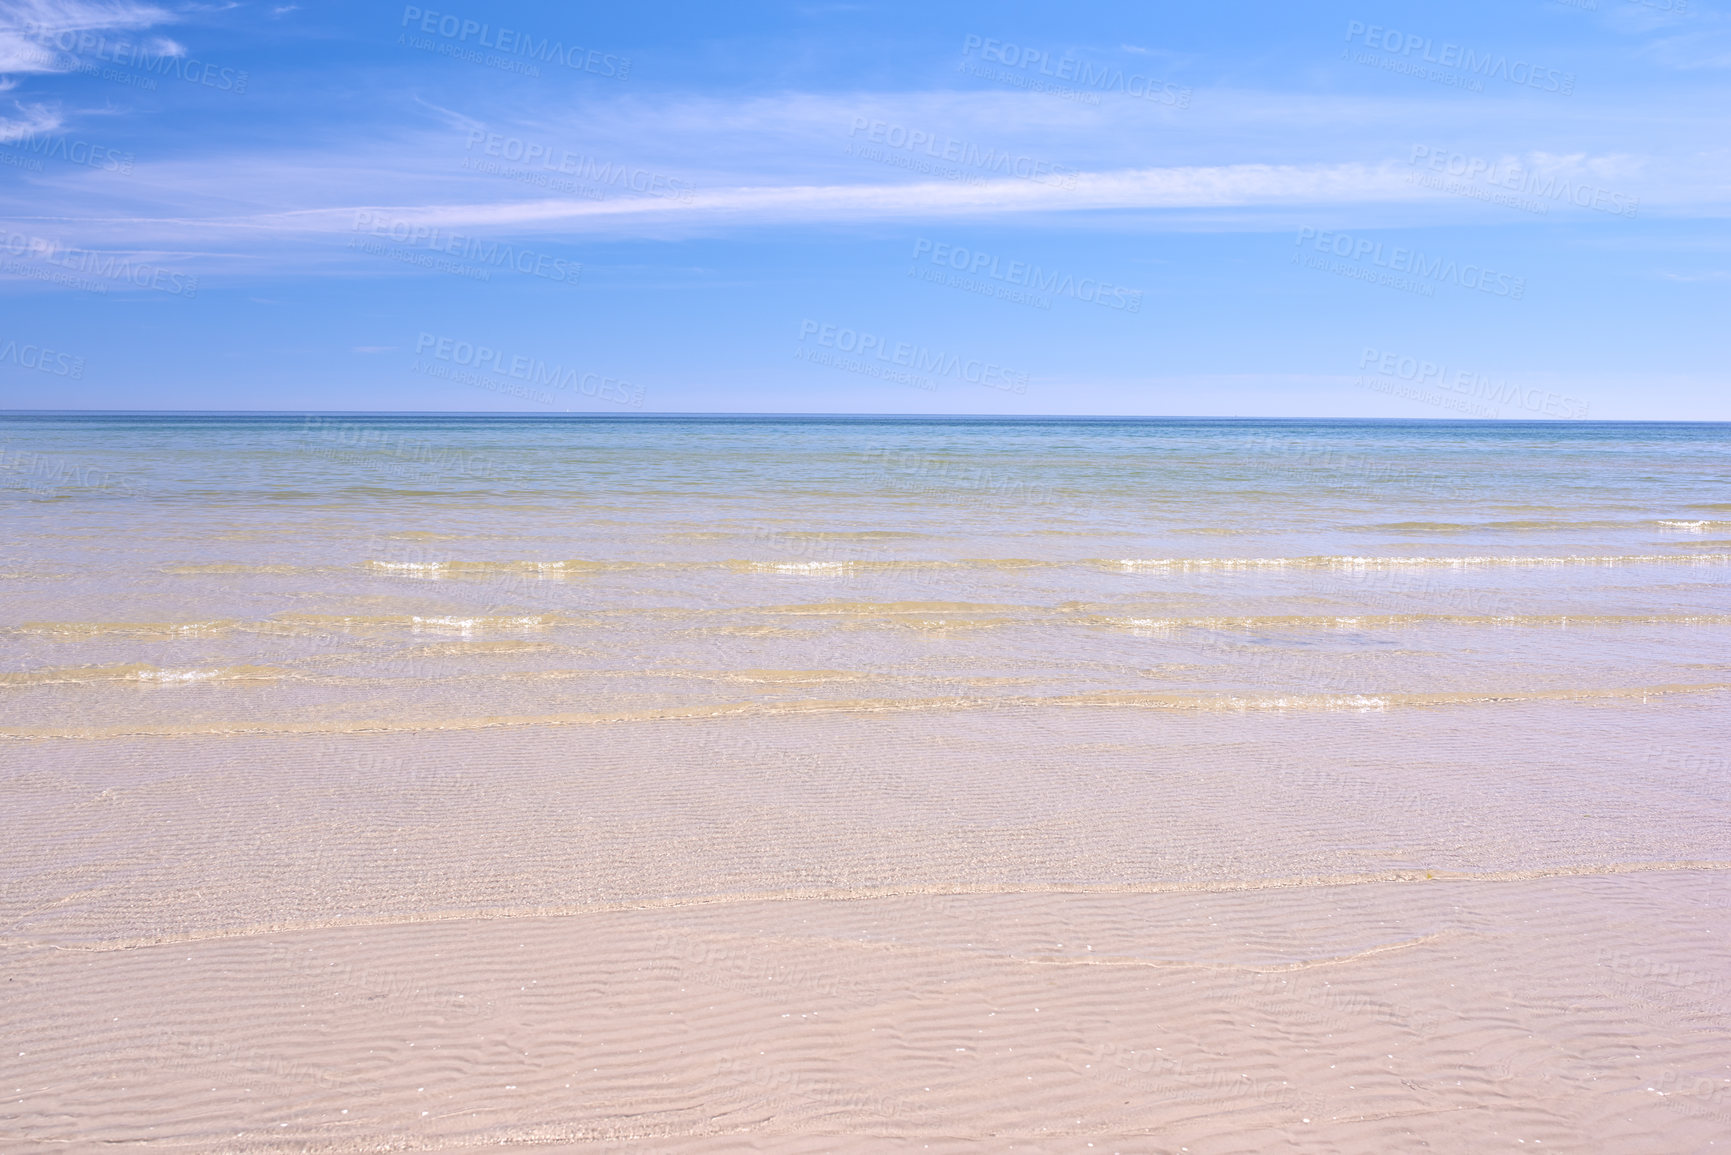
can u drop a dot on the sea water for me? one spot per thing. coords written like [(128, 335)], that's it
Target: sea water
[(621, 657)]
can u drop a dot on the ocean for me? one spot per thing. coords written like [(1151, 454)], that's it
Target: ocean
[(301, 573)]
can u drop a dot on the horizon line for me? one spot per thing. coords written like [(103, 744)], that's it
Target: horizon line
[(806, 416)]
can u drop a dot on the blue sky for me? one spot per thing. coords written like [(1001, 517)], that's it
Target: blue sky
[(1365, 210)]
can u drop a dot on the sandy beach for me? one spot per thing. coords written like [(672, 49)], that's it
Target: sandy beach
[(825, 816)]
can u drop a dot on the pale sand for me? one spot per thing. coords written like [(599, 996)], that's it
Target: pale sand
[(1587, 1013), (1147, 931)]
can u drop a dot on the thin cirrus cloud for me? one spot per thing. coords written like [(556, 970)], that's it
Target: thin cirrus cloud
[(298, 238), (795, 159), (757, 205), (28, 120), (30, 32), (803, 155), (1158, 188), (798, 158), (29, 29)]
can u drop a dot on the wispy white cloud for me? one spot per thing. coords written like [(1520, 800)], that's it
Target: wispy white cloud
[(453, 119), (760, 205), (1159, 188), (30, 28), (19, 53), (32, 119), (83, 15), (764, 163)]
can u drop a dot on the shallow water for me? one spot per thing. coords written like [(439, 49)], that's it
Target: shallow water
[(172, 574)]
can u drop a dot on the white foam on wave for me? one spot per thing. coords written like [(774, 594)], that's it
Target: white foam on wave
[(421, 568), (174, 676)]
